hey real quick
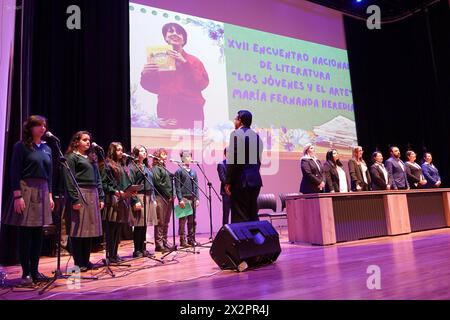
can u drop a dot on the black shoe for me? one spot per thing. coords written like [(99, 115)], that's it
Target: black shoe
[(91, 266), (39, 277), (83, 269), (138, 254), (168, 246), (146, 253), (113, 260), (166, 250), (26, 281), (193, 243)]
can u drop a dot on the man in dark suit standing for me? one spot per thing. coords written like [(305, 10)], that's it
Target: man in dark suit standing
[(243, 181), (396, 168), (226, 201)]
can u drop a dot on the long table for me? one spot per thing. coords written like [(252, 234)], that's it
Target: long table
[(328, 218)]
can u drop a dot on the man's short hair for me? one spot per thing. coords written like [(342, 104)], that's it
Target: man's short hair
[(391, 149), (246, 117), (177, 28)]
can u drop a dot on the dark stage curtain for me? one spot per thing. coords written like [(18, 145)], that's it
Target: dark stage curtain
[(81, 77), (78, 79), (400, 82)]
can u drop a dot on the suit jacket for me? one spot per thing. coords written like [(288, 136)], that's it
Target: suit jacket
[(331, 177), (399, 177), (243, 169), (414, 174), (431, 174), (312, 176), (222, 172), (356, 176), (378, 180)]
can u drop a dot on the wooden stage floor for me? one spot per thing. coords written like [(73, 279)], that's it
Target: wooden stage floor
[(413, 266)]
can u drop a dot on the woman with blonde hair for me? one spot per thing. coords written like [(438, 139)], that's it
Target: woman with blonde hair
[(359, 171)]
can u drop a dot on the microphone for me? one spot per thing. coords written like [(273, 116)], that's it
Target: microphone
[(126, 155), (175, 161), (154, 157), (50, 135), (96, 146), (195, 161)]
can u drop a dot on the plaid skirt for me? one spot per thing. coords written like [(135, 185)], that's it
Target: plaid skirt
[(37, 211), (116, 210), (86, 222), (137, 219)]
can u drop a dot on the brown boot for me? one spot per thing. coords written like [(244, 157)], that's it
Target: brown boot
[(183, 242), (159, 238)]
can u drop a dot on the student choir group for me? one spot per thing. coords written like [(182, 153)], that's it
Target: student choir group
[(110, 191)]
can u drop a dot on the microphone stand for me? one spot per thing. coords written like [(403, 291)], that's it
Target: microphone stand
[(58, 273), (146, 179), (193, 182), (209, 197)]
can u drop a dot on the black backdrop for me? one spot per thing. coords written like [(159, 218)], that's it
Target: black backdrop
[(79, 79), (401, 82)]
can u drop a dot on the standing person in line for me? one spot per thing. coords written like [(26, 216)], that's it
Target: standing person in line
[(145, 208), (85, 217), (414, 173), (359, 171), (313, 177), (244, 182), (226, 201), (31, 182), (186, 189), (335, 176), (164, 200), (116, 179), (396, 168), (381, 179), (430, 172)]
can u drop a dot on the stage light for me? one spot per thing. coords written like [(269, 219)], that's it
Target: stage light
[(358, 1)]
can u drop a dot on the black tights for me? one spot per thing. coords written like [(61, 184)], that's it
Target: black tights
[(139, 235), (112, 238), (81, 250), (30, 244)]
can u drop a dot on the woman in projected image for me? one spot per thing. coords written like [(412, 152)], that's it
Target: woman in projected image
[(180, 100)]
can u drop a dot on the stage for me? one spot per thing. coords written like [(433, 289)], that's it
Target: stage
[(412, 266)]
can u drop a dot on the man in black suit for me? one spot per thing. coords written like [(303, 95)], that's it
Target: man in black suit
[(396, 168), (226, 201), (243, 181)]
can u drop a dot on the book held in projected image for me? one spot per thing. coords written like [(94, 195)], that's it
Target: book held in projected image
[(159, 56)]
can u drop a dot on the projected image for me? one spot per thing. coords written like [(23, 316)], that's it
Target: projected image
[(189, 77)]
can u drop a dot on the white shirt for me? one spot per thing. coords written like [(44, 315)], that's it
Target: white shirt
[(364, 172), (385, 173), (342, 179)]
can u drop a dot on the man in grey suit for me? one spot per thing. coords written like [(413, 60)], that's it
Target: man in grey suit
[(396, 168)]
